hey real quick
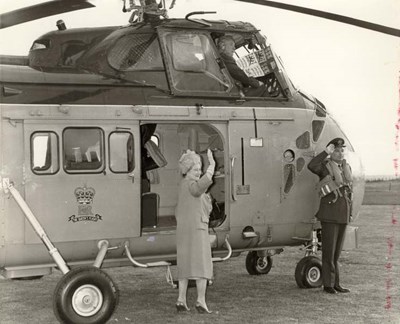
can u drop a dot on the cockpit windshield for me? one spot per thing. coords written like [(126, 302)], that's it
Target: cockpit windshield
[(193, 65), (136, 52)]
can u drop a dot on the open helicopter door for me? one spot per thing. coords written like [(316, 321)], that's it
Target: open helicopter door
[(83, 179)]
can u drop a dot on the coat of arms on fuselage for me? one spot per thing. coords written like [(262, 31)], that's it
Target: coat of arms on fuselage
[(84, 197)]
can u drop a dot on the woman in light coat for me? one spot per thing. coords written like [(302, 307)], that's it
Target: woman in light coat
[(194, 259)]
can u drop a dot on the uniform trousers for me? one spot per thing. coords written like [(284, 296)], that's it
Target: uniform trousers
[(333, 236)]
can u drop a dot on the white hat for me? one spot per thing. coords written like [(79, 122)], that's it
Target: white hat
[(188, 160)]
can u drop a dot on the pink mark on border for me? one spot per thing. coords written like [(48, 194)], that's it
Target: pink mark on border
[(394, 222)]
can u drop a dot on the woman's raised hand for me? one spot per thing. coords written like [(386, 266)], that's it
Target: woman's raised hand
[(211, 167), (210, 157)]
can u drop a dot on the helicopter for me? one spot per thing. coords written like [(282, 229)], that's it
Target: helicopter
[(93, 122)]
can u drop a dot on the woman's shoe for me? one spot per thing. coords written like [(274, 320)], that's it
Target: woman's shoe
[(181, 307), (201, 309)]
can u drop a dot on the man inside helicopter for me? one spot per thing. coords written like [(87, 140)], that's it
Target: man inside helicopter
[(251, 86)]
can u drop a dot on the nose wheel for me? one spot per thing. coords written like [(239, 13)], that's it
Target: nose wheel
[(308, 273), (85, 295)]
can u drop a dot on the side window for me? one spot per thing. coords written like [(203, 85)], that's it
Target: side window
[(136, 52), (288, 175), (193, 65), (121, 152), (83, 150), (317, 127), (44, 153), (72, 51)]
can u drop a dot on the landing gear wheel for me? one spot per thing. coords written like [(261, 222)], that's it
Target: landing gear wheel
[(85, 295), (258, 265), (308, 272)]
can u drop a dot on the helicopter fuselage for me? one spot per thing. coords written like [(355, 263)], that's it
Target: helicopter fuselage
[(74, 127)]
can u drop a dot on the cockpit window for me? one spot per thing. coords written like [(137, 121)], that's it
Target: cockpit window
[(188, 53), (259, 64), (136, 52), (72, 51), (193, 63), (255, 63)]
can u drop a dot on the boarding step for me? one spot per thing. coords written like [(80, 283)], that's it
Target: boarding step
[(143, 265), (158, 264), (228, 246), (168, 274)]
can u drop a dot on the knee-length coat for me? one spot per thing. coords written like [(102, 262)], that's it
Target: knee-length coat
[(192, 240)]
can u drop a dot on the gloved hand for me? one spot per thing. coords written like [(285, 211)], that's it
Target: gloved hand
[(211, 167), (330, 148)]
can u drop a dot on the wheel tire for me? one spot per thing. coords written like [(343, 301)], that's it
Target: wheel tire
[(308, 273), (256, 265), (85, 295)]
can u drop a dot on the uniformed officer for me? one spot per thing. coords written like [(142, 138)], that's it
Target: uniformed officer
[(335, 208)]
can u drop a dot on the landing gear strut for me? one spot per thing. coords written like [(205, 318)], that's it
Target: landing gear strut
[(308, 273)]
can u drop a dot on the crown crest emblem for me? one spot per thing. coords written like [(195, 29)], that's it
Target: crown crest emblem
[(84, 196)]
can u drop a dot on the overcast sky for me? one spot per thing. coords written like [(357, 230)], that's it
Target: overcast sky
[(353, 71)]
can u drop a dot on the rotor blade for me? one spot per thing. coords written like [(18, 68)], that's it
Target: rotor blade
[(42, 10), (328, 15)]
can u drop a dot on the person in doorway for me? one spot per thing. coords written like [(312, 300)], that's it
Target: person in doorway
[(335, 209), (194, 259), (251, 86)]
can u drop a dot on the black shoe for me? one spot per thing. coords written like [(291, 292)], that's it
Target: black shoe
[(181, 307), (341, 289), (202, 310), (330, 290)]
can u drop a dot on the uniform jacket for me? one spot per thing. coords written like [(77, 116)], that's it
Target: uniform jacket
[(330, 211), (192, 240), (237, 73)]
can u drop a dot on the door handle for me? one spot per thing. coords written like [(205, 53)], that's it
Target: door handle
[(233, 159), (132, 176)]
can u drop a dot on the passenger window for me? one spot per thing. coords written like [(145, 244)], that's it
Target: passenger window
[(121, 152), (136, 52), (83, 150), (44, 153), (193, 65)]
